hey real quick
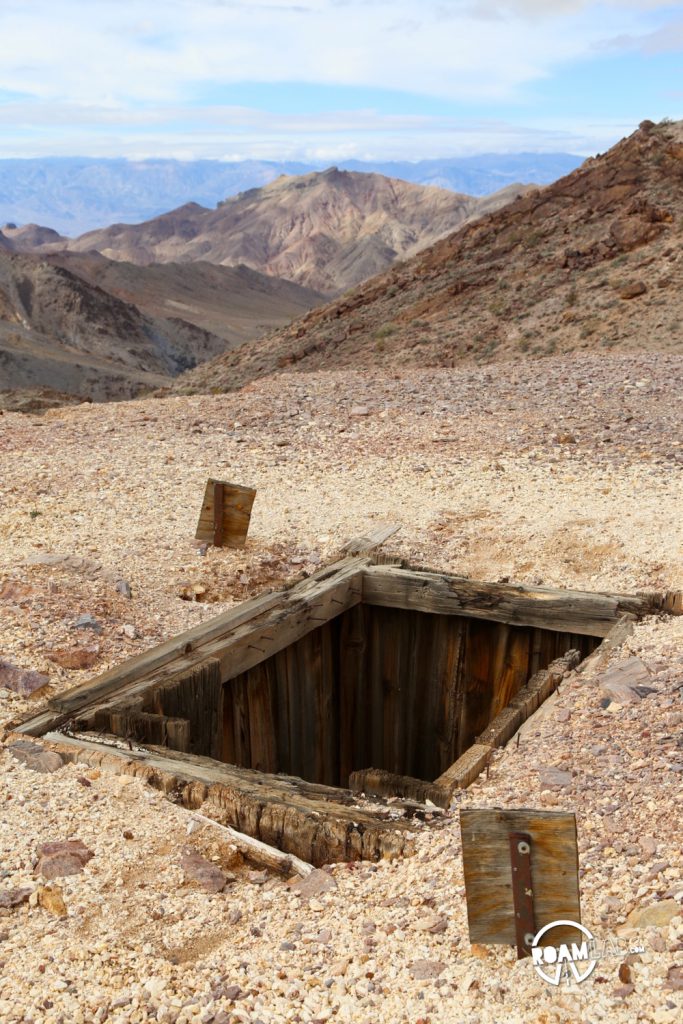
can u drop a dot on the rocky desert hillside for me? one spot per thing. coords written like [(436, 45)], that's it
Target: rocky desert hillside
[(236, 304), (591, 262), (59, 331), (80, 325), (326, 231)]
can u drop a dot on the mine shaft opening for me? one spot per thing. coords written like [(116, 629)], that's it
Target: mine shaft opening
[(394, 689), (396, 682)]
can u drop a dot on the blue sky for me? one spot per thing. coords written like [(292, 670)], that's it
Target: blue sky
[(333, 79)]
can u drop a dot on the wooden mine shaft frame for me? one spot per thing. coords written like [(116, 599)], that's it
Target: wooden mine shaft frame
[(316, 822)]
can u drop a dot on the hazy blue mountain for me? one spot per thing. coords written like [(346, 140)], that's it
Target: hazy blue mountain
[(479, 175), (77, 194)]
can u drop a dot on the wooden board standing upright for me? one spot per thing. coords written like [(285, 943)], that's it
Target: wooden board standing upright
[(226, 511), (521, 873)]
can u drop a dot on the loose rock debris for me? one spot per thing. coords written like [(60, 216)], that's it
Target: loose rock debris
[(138, 943)]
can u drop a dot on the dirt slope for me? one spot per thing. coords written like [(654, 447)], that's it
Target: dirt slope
[(327, 230), (82, 325), (59, 331), (234, 303), (591, 262)]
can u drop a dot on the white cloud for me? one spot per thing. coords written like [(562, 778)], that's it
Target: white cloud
[(104, 77), (114, 51), (231, 133), (663, 40)]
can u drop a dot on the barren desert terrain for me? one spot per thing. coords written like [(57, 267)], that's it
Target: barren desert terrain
[(566, 470)]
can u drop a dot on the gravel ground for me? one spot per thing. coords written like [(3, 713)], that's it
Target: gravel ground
[(561, 471)]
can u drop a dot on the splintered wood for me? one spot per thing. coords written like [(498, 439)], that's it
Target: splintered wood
[(225, 515)]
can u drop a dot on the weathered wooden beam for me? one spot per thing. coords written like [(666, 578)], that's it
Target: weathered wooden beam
[(377, 782), (567, 611), (318, 824), (260, 853), (466, 769), (370, 540), (250, 626)]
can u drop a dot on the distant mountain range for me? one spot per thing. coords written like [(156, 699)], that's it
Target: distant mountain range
[(76, 194), (592, 261), (126, 308), (327, 230)]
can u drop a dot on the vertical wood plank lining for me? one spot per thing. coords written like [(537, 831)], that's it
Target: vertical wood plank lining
[(381, 687), (261, 685), (283, 724), (352, 680)]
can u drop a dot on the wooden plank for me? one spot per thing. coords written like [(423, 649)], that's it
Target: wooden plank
[(371, 540), (197, 696), (283, 712), (535, 659), (307, 683), (294, 763), (377, 782), (422, 705), (319, 824), (488, 874), (392, 636), (502, 728), (406, 727), (476, 682), (352, 683), (569, 611), (218, 495), (451, 651), (225, 514), (513, 671), (260, 853), (238, 694), (250, 626), (467, 768), (229, 749), (262, 720), (375, 697), (328, 705)]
